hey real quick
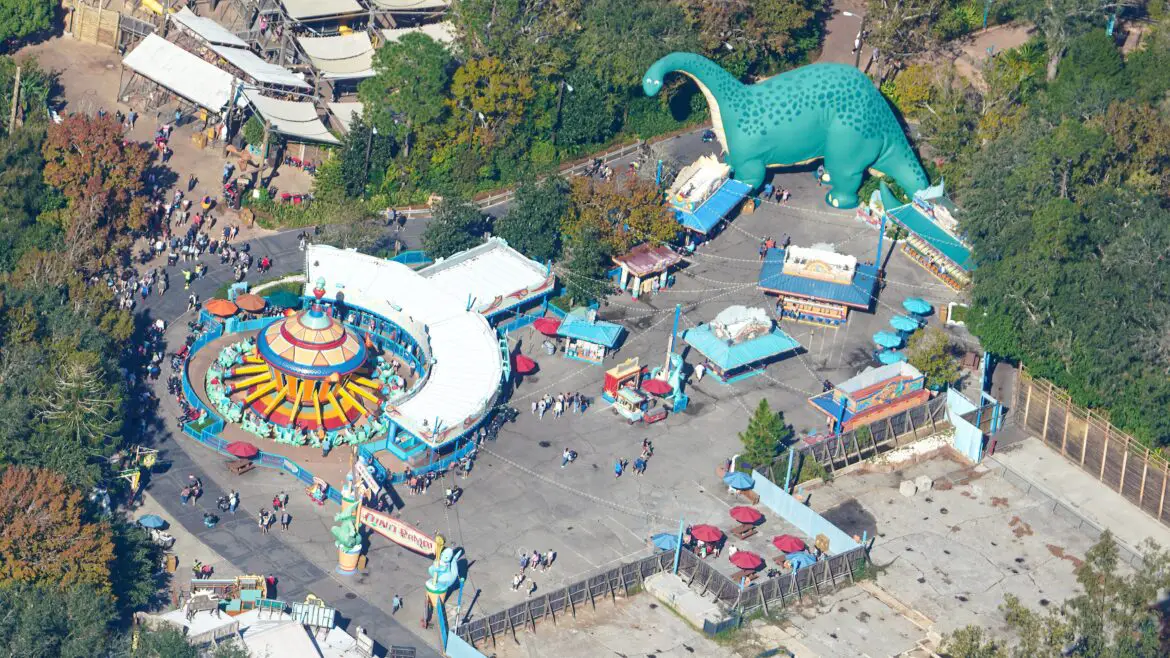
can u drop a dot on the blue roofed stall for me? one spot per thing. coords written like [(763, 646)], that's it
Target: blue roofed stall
[(934, 241), (739, 343), (588, 339), (704, 193), (817, 286)]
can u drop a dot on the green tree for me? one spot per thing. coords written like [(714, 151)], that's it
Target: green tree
[(900, 30), (46, 620), (532, 224), (619, 39), (24, 18), (132, 573), (489, 98), (82, 406), (411, 81), (585, 271), (456, 226), (765, 434), (254, 131), (930, 350), (364, 155), (1116, 614), (1060, 21)]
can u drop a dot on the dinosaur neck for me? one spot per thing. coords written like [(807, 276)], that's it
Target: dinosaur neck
[(718, 86)]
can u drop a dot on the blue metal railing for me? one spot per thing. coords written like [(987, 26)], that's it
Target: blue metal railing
[(416, 257)]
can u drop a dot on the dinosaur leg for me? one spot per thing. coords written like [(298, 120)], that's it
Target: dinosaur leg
[(751, 172), (845, 168)]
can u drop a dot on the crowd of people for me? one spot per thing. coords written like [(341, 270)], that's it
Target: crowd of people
[(534, 560), (559, 404)]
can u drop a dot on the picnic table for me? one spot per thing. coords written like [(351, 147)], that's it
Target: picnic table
[(743, 530), (240, 466)]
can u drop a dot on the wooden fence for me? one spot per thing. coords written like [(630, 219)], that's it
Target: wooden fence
[(94, 25), (848, 448), (739, 602), (1088, 440)]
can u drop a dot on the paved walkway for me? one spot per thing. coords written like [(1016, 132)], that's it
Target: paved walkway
[(1068, 484)]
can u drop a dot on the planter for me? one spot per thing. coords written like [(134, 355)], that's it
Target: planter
[(347, 560)]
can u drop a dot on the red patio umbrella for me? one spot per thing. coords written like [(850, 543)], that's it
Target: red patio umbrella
[(656, 387), (788, 543), (547, 326), (747, 560), (243, 449), (707, 533), (524, 365), (745, 514)]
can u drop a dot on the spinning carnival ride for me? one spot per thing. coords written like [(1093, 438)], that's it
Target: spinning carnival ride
[(307, 371)]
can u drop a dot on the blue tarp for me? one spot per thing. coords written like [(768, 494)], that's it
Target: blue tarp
[(858, 294), (577, 326), (933, 234), (827, 404), (716, 207), (728, 356)]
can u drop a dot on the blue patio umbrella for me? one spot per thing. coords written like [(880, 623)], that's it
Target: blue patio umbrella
[(152, 521), (904, 323), (887, 339), (917, 306), (800, 559), (665, 541), (739, 480), (887, 357)]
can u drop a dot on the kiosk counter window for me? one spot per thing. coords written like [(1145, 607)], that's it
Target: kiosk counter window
[(584, 351)]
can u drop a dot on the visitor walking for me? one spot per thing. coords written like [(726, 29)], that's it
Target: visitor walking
[(395, 604), (285, 519), (262, 521), (233, 501), (700, 370), (618, 467)]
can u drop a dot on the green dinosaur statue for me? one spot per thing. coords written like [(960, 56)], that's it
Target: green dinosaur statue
[(829, 111)]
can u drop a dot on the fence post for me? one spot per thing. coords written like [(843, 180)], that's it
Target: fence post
[(1104, 456), (1047, 408), (1064, 434), (1124, 463), (1028, 399), (1145, 469), (1162, 499)]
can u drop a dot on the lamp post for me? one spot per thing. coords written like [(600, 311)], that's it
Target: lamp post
[(857, 39), (369, 144)]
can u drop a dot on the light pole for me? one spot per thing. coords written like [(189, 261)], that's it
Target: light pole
[(857, 39), (369, 143)]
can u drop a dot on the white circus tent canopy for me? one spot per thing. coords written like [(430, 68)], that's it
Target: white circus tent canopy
[(301, 10), (259, 70), (442, 32), (207, 29), (295, 119), (345, 112), (342, 57), (185, 74)]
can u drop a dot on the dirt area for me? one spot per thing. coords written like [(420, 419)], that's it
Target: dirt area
[(90, 77)]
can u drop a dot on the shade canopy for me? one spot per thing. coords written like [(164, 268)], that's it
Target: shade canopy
[(747, 560), (745, 514), (788, 543), (800, 560), (917, 305), (887, 339), (665, 541), (707, 533), (152, 521), (887, 357), (904, 323), (284, 299), (221, 307), (739, 480), (243, 449), (656, 387), (524, 365), (547, 326), (251, 303)]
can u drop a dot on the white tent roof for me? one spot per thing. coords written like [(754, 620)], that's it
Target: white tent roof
[(207, 29), (411, 5), (442, 32), (345, 112), (260, 70), (494, 275), (183, 73), (296, 119), (341, 57), (465, 367), (305, 9)]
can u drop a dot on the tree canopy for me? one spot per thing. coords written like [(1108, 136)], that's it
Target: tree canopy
[(457, 225), (765, 434), (533, 225), (24, 18)]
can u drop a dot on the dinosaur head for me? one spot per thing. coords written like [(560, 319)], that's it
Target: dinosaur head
[(652, 83)]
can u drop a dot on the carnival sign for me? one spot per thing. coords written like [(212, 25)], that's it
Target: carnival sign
[(396, 531)]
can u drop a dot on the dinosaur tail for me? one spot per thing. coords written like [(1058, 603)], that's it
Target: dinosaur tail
[(899, 162)]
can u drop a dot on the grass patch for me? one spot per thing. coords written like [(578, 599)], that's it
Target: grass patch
[(959, 313), (293, 287), (203, 423)]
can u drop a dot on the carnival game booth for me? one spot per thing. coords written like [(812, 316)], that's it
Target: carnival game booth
[(872, 395), (460, 357), (646, 269), (817, 286), (586, 338), (498, 282), (704, 193), (933, 241), (739, 343)]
